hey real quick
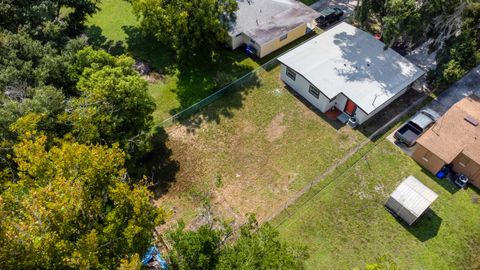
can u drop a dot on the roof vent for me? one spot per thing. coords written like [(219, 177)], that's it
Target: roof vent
[(471, 120)]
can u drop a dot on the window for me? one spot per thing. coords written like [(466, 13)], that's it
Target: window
[(239, 34), (291, 73), (284, 37), (252, 41), (314, 91), (427, 156)]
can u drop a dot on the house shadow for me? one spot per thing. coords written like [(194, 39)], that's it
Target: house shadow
[(388, 113), (445, 183), (426, 227), (334, 123), (157, 164)]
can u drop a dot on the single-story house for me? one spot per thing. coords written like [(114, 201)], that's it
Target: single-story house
[(267, 25), (347, 70), (454, 139), (410, 200)]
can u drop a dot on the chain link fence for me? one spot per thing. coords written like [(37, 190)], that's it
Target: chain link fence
[(236, 85)]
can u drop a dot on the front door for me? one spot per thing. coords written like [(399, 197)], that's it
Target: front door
[(350, 107)]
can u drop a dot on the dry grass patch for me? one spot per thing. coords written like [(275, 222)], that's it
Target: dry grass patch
[(249, 151)]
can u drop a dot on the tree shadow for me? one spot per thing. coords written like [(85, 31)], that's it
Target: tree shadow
[(98, 41), (221, 104), (426, 227), (146, 48), (157, 164)]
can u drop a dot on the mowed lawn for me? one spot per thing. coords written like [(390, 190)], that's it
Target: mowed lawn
[(175, 87), (249, 151), (345, 225)]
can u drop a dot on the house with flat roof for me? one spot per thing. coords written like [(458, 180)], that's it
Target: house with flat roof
[(454, 139), (348, 71), (267, 25)]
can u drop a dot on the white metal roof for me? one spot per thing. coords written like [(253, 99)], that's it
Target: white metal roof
[(348, 60), (264, 20), (414, 196)]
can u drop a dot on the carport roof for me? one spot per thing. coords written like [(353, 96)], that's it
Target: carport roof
[(348, 60), (414, 196)]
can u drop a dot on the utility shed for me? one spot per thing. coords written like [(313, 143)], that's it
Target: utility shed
[(410, 200)]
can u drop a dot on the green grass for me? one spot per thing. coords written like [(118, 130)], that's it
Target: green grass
[(345, 225), (115, 29), (261, 141)]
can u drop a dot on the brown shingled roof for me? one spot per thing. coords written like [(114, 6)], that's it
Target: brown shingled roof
[(452, 134)]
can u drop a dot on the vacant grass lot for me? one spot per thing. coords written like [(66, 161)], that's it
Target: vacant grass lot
[(249, 151), (345, 225)]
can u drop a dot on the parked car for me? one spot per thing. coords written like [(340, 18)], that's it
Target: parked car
[(416, 126), (329, 15)]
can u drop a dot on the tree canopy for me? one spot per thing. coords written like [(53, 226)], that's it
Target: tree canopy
[(256, 248), (188, 26), (71, 206)]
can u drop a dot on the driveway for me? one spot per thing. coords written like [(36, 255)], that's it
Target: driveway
[(468, 85), (346, 5)]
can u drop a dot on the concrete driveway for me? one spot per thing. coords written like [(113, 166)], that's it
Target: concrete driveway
[(346, 5), (468, 85)]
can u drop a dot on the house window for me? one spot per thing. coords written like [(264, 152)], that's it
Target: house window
[(314, 91), (239, 34), (291, 74), (284, 37), (252, 41), (427, 156)]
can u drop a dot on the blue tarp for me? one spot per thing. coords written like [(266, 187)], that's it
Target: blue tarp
[(153, 252)]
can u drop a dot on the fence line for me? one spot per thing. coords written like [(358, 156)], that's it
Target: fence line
[(227, 88)]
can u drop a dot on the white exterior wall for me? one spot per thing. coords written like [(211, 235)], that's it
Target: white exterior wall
[(362, 116), (340, 101), (301, 86), (237, 41)]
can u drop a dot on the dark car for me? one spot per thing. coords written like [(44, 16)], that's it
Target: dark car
[(329, 15)]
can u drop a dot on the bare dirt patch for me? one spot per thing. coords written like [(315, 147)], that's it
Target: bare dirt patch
[(275, 130)]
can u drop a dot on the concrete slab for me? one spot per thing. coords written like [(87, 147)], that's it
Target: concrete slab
[(407, 150), (347, 6), (468, 85)]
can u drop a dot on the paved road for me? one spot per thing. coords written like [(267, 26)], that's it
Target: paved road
[(468, 85)]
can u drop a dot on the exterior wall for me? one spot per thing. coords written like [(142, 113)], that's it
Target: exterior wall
[(277, 43), (464, 165), (301, 86), (340, 101), (237, 41), (427, 159), (362, 116)]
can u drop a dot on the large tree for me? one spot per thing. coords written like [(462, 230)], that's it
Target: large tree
[(71, 206), (257, 248), (188, 26), (114, 105)]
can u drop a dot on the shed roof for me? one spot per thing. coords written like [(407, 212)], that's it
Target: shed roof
[(348, 60), (414, 196), (265, 20), (452, 134)]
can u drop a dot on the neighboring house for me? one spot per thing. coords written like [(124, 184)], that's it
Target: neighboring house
[(410, 200), (267, 25), (347, 70), (454, 139)]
